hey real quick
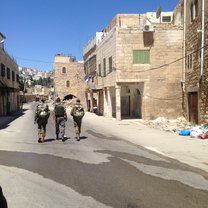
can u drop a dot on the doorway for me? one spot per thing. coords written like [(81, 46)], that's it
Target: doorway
[(193, 107), (138, 104)]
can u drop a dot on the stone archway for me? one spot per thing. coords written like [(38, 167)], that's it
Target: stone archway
[(69, 97)]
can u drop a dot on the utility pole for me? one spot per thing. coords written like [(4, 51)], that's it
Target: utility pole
[(202, 40)]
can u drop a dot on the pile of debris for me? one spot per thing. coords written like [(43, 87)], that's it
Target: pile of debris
[(180, 126), (169, 125)]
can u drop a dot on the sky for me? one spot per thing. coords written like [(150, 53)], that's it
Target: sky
[(36, 30)]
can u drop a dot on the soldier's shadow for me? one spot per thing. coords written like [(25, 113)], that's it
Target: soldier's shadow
[(65, 139), (83, 137), (53, 139), (49, 140)]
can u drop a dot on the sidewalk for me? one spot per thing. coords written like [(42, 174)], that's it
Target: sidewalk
[(6, 120), (192, 151)]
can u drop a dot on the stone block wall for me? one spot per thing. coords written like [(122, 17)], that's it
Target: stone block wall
[(9, 87), (195, 80), (74, 74), (162, 93), (162, 82), (12, 65)]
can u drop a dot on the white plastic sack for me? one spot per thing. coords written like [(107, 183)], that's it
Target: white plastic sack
[(195, 132)]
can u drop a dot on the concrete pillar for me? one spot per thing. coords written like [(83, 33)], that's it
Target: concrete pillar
[(105, 107), (91, 100), (118, 102), (109, 103)]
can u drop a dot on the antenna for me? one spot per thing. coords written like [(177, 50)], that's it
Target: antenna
[(158, 12)]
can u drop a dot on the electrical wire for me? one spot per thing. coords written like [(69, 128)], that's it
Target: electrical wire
[(33, 60), (156, 98), (172, 62)]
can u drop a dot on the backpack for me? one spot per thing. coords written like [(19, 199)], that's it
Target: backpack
[(59, 110), (42, 110), (78, 111)]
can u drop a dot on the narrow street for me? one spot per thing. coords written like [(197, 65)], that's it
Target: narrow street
[(101, 170)]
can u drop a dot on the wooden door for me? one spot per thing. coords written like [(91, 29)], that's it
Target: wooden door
[(193, 107)]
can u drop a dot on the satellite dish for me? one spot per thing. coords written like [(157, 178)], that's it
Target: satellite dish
[(158, 12)]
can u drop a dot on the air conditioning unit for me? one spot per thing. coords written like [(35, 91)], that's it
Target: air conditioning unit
[(148, 28)]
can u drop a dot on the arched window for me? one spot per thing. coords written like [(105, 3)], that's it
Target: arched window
[(67, 83), (138, 92), (64, 70), (194, 10)]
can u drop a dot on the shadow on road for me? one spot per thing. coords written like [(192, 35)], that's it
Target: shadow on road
[(83, 137), (65, 139), (49, 140)]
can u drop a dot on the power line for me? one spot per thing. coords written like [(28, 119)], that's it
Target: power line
[(155, 68), (156, 98), (172, 62), (33, 60)]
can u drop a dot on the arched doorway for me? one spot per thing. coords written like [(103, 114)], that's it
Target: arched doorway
[(69, 97)]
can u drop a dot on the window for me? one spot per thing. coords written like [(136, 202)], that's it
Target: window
[(189, 61), (141, 57), (13, 76), (104, 67), (8, 73), (17, 77), (196, 7), (110, 62), (166, 18), (194, 10), (67, 83), (3, 70), (99, 70), (64, 70)]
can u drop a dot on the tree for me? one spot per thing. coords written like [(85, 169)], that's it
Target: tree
[(21, 83)]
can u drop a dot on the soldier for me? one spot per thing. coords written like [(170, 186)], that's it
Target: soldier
[(77, 113), (3, 201), (60, 117), (41, 118)]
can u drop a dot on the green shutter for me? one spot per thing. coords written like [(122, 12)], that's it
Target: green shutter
[(146, 57), (141, 57), (135, 57)]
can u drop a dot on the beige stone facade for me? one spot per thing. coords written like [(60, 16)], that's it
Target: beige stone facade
[(9, 82), (69, 77), (130, 87)]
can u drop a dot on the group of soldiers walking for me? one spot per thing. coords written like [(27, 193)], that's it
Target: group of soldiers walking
[(59, 117)]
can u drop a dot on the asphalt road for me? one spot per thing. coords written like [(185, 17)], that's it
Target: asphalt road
[(98, 171)]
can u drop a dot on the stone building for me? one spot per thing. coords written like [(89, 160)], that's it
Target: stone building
[(9, 81), (195, 13), (90, 72), (69, 78), (139, 66)]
